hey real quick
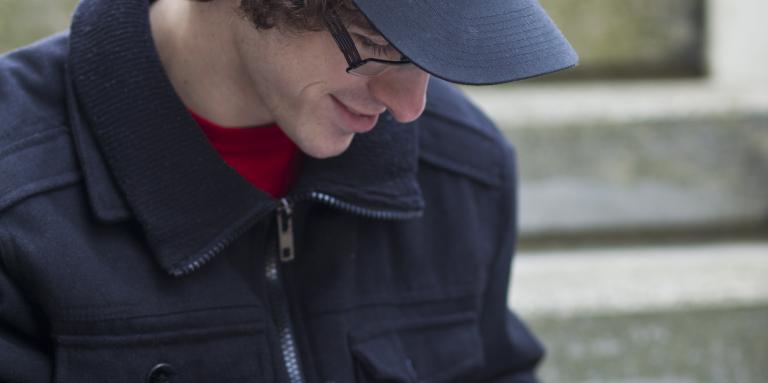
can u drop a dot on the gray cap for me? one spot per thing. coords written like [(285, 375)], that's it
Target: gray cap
[(473, 41)]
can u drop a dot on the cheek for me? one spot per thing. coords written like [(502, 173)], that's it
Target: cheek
[(287, 93), (312, 103), (303, 115)]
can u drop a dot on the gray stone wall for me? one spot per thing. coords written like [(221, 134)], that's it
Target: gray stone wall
[(633, 38), (706, 173)]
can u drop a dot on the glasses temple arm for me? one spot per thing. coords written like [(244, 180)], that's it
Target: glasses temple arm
[(342, 38)]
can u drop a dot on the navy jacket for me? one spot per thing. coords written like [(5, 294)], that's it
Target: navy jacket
[(130, 252)]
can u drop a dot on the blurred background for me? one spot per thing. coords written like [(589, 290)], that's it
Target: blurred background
[(643, 253)]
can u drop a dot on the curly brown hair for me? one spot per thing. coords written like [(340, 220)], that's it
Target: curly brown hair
[(299, 15)]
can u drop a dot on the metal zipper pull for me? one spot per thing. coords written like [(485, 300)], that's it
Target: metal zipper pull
[(285, 231)]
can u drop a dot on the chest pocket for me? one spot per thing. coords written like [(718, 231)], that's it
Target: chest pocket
[(222, 353), (433, 350)]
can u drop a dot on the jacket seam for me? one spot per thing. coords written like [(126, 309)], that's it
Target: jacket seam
[(463, 169), (86, 318), (510, 201), (151, 338), (39, 186), (469, 128), (505, 246), (5, 252), (31, 140), (462, 291), (468, 172)]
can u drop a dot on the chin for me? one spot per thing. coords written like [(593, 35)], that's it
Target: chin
[(326, 147)]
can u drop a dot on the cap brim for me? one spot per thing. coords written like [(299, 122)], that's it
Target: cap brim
[(473, 42)]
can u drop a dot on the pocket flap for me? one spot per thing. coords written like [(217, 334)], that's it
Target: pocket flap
[(429, 350)]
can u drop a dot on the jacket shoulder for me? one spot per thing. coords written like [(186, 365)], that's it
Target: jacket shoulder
[(36, 152), (32, 85), (456, 136)]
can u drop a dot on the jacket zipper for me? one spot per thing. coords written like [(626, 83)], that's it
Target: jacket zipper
[(286, 254), (189, 267), (329, 200), (277, 294), (285, 230), (319, 197), (283, 253)]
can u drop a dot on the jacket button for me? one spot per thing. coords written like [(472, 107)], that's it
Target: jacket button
[(161, 373)]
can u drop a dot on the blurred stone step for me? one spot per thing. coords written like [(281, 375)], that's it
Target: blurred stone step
[(588, 281), (622, 157), (700, 345)]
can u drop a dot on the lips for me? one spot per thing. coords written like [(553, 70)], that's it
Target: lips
[(353, 121)]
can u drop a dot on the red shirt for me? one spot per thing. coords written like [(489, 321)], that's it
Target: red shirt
[(263, 155)]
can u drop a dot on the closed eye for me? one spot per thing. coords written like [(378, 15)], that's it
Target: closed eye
[(381, 50)]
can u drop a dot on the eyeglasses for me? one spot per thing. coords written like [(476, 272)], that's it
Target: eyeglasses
[(370, 67)]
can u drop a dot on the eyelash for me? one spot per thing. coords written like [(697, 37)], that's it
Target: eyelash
[(379, 50)]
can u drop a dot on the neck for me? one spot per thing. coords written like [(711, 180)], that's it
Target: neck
[(197, 46)]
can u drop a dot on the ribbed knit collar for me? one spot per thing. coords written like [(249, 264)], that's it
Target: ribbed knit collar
[(172, 180)]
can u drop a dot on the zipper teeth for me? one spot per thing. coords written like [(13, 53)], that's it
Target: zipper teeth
[(278, 291), (358, 210), (320, 197), (282, 319), (189, 267), (281, 313)]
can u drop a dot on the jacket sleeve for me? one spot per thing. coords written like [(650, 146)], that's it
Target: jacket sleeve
[(24, 344), (512, 353)]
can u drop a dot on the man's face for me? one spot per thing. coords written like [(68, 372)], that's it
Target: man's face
[(301, 80)]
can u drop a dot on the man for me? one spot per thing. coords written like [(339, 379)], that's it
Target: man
[(264, 191)]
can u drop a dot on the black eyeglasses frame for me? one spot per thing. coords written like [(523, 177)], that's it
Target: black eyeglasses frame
[(348, 48)]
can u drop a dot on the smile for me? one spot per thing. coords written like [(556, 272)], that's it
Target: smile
[(353, 121)]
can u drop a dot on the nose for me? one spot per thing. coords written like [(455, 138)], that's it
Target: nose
[(403, 91)]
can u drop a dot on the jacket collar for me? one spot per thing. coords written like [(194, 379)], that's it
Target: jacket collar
[(164, 171)]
